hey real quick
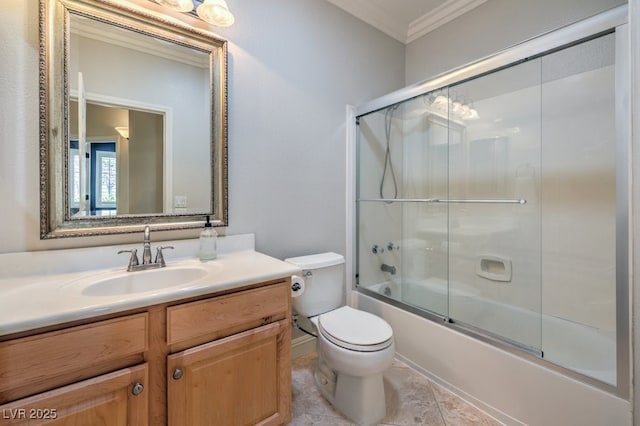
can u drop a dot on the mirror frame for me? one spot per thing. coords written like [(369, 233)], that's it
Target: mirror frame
[(143, 18)]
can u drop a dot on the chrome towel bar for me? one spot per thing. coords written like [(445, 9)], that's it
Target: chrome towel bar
[(440, 200)]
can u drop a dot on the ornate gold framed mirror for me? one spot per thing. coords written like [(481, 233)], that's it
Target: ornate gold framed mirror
[(133, 120)]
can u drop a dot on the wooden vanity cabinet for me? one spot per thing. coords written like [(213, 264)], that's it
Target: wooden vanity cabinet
[(231, 360), (88, 374), (211, 360)]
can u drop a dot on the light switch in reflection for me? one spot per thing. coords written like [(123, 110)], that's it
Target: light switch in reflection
[(180, 201)]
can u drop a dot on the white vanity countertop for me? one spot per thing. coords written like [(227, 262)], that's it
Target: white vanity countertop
[(29, 302)]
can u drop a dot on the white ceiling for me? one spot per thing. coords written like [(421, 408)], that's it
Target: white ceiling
[(407, 20)]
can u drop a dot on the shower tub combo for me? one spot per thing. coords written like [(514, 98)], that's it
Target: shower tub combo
[(493, 200)]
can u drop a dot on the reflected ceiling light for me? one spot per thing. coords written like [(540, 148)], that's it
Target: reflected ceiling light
[(216, 12), (441, 102), (473, 115), (123, 131), (456, 109), (179, 5)]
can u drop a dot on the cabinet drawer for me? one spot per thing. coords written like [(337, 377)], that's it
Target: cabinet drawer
[(209, 319), (106, 399), (37, 358)]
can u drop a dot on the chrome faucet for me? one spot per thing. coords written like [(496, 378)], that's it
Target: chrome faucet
[(388, 268), (146, 250), (134, 264)]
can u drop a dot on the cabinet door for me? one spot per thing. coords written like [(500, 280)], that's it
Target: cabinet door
[(244, 379), (113, 399)]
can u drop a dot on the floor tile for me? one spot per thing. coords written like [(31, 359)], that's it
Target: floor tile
[(456, 412), (307, 399), (410, 398)]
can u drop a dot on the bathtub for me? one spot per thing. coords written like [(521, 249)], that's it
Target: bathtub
[(580, 348)]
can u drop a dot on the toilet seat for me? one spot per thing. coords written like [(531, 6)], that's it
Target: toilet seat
[(355, 330)]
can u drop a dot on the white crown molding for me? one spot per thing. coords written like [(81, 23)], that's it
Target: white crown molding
[(440, 16), (380, 19), (375, 16)]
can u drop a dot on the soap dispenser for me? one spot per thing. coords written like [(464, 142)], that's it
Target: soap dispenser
[(208, 242)]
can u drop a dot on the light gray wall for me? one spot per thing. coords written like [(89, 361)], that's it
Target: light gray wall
[(293, 67), (291, 76), (493, 26)]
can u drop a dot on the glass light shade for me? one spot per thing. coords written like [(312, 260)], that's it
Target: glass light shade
[(473, 114), (441, 101), (179, 5), (216, 13)]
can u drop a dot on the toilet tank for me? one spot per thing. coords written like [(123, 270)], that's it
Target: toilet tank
[(323, 283)]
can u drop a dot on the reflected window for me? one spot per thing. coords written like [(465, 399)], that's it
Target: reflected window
[(74, 176), (103, 175), (105, 181)]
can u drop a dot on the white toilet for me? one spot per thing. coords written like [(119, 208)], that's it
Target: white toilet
[(354, 347)]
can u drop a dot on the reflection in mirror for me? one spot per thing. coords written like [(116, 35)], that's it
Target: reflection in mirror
[(142, 109), (115, 167), (159, 91)]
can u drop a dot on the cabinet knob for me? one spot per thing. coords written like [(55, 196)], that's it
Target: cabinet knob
[(177, 374), (137, 389)]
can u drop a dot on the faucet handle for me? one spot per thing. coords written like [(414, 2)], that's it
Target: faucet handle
[(160, 257), (133, 261)]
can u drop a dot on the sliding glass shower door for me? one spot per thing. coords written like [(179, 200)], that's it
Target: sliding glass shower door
[(492, 203), (402, 238), (494, 212)]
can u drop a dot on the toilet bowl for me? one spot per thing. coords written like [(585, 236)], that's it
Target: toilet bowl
[(354, 347), (350, 368)]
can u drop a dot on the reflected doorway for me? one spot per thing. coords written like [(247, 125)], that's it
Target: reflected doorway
[(122, 171)]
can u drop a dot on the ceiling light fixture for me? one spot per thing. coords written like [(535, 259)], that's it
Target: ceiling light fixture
[(214, 12), (179, 5)]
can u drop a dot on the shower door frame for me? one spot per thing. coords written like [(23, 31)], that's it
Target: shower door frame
[(612, 21)]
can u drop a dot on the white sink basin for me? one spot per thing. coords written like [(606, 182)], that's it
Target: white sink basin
[(144, 281)]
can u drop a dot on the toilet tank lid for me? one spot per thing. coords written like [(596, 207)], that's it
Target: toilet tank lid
[(315, 261)]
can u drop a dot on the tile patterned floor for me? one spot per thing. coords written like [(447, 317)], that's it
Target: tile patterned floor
[(411, 399)]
